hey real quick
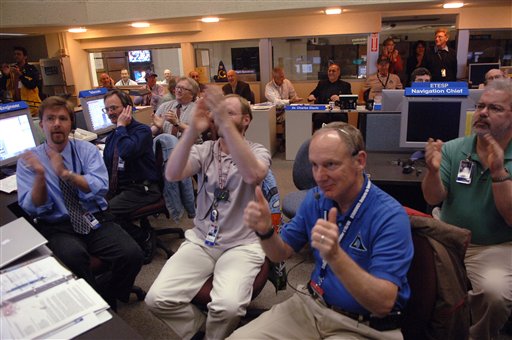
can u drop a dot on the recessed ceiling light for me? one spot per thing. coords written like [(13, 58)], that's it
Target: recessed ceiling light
[(453, 4), (77, 30), (140, 24), (210, 19), (331, 11), (12, 34)]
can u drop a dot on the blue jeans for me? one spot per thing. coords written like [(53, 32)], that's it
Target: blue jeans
[(179, 196)]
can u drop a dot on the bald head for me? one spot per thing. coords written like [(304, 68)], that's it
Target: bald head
[(232, 77)]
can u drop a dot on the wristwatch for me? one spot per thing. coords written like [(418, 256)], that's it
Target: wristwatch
[(177, 124), (267, 235), (504, 178)]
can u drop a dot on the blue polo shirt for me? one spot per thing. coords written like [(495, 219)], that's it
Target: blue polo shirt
[(378, 240)]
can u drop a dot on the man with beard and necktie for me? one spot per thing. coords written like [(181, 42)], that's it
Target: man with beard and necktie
[(62, 183)]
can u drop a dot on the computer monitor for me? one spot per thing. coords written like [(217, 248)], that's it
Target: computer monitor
[(392, 100), (348, 101), (474, 96), (92, 104), (476, 75), (380, 130), (17, 132), (441, 118)]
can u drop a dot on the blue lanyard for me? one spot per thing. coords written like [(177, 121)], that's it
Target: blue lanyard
[(350, 218)]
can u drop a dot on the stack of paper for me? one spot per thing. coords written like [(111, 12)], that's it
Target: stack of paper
[(42, 299)]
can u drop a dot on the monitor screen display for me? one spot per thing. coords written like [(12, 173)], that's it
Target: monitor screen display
[(477, 72), (17, 135), (139, 56), (436, 117), (96, 120)]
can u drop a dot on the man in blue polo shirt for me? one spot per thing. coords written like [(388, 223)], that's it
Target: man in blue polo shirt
[(361, 242)]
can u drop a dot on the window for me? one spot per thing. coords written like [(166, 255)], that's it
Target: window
[(309, 58)]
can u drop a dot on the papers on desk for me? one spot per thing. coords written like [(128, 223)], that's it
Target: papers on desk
[(8, 184), (262, 106), (42, 299)]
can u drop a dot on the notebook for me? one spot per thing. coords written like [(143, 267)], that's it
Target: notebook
[(18, 238)]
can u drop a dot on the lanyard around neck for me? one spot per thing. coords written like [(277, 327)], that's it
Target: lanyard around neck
[(348, 222)]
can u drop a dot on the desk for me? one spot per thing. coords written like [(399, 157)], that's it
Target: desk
[(263, 128), (115, 328), (299, 127), (405, 188)]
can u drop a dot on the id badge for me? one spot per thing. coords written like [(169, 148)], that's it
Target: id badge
[(212, 235), (93, 222), (443, 72), (120, 164), (464, 173)]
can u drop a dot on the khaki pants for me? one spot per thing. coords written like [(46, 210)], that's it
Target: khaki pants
[(489, 269), (302, 317), (234, 271)]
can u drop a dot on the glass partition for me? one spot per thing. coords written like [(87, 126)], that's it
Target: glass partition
[(309, 58), (240, 55)]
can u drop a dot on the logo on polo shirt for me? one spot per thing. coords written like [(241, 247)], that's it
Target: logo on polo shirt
[(357, 244)]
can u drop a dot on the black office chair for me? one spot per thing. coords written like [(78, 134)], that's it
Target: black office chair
[(320, 118), (302, 178), (157, 208)]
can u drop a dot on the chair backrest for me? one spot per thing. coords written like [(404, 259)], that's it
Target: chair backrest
[(159, 162), (380, 130), (423, 282), (302, 173)]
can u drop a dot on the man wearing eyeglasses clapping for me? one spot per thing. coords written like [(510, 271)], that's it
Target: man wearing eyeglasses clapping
[(480, 200)]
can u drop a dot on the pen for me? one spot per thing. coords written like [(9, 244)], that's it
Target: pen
[(41, 278)]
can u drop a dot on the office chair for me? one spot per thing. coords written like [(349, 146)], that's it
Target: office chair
[(101, 270), (271, 193), (157, 208), (320, 118), (438, 307), (302, 178)]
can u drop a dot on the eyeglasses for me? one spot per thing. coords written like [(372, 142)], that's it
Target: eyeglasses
[(107, 109), (180, 88), (494, 109), (494, 77)]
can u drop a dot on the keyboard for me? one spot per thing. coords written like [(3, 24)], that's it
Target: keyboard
[(81, 134)]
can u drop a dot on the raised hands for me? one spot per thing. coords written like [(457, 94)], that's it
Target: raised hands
[(495, 155), (324, 236), (257, 213), (433, 154), (32, 162), (125, 117)]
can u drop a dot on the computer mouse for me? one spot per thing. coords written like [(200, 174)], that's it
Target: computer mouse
[(407, 169)]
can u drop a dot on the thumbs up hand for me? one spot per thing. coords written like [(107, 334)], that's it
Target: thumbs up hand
[(324, 236), (257, 213)]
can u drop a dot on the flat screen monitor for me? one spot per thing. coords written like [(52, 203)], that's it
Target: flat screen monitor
[(95, 119), (477, 72), (139, 56), (348, 101), (17, 132), (441, 118), (474, 96), (392, 100)]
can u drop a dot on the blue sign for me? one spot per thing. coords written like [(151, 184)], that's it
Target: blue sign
[(305, 107), (91, 93), (14, 106), (438, 89)]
